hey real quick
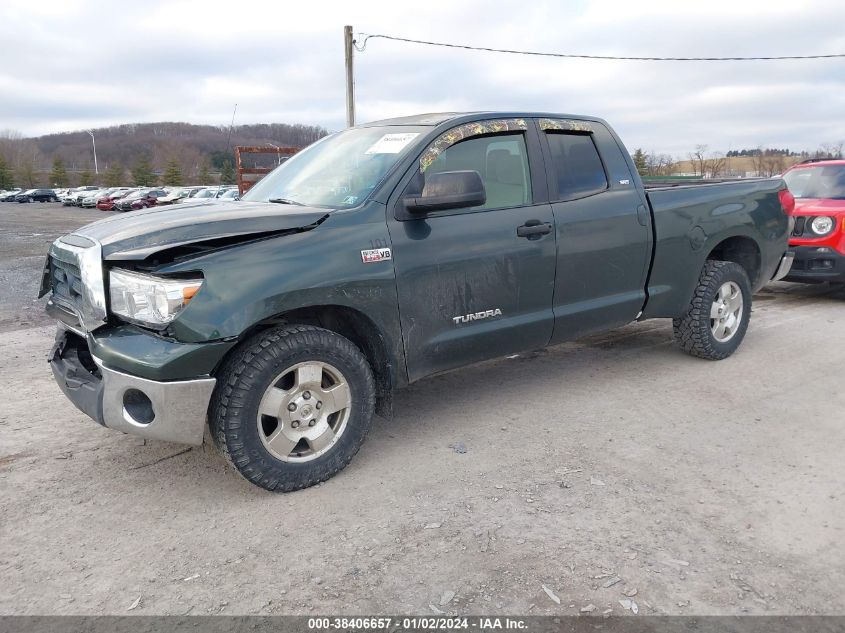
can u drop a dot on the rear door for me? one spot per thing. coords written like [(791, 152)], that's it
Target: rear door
[(476, 283), (603, 228)]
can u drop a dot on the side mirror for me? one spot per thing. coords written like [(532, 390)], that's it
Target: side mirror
[(448, 190)]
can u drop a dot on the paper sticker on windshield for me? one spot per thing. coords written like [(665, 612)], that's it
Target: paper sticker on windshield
[(392, 143)]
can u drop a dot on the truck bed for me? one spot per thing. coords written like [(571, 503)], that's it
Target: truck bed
[(670, 183), (686, 219)]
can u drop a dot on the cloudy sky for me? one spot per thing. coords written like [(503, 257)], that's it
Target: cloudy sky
[(73, 64)]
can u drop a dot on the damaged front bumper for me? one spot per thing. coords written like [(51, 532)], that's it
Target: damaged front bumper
[(171, 410)]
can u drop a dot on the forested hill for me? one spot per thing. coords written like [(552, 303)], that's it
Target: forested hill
[(159, 143)]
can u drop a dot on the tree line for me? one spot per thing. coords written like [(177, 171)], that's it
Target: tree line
[(765, 161), (141, 174), (826, 150), (139, 154)]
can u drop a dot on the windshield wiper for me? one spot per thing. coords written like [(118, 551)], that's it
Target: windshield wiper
[(285, 201)]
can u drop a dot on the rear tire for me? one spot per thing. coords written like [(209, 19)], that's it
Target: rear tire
[(717, 316), (292, 406)]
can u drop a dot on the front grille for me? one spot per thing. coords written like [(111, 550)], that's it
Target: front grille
[(800, 225), (66, 283)]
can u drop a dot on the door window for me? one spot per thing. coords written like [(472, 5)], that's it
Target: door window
[(578, 170), (500, 160)]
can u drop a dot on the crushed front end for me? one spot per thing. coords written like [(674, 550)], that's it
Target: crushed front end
[(122, 376)]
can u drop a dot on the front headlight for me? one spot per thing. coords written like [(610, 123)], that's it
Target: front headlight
[(822, 225), (148, 300)]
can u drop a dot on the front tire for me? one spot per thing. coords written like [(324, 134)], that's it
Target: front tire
[(292, 406), (717, 316)]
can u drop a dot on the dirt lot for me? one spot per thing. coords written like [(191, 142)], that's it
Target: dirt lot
[(706, 488)]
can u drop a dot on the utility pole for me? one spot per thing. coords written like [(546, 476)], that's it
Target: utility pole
[(348, 43), (94, 143)]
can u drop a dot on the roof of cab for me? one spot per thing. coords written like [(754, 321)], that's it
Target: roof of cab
[(429, 118), (433, 119)]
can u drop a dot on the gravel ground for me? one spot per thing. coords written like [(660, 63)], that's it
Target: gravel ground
[(613, 468)]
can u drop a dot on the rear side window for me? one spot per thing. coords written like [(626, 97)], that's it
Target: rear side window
[(578, 169)]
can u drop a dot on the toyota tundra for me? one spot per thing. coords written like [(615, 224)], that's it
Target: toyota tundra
[(383, 254)]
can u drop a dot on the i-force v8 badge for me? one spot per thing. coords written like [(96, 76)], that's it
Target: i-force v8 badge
[(376, 255)]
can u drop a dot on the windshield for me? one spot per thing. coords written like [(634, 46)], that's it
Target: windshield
[(339, 171), (822, 181)]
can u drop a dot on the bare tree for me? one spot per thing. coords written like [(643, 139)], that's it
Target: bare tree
[(658, 164), (758, 161), (773, 164), (714, 166), (24, 158), (698, 159), (768, 162), (831, 150)]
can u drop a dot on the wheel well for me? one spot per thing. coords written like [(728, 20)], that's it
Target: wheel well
[(355, 326), (740, 250)]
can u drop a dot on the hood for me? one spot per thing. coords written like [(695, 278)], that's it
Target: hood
[(142, 233), (818, 206)]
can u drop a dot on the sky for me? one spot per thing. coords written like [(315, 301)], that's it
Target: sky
[(75, 64)]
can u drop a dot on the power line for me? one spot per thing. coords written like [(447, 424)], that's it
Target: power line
[(367, 37)]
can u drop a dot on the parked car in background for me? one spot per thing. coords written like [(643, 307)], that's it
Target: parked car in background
[(92, 197), (106, 203), (204, 194), (209, 193), (175, 195), (37, 195), (230, 194), (140, 199), (74, 196), (68, 198), (80, 196), (9, 196), (818, 236)]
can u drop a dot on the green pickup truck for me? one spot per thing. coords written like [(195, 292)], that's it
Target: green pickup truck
[(381, 255)]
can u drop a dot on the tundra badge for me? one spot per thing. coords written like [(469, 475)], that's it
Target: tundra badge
[(376, 255), (475, 316)]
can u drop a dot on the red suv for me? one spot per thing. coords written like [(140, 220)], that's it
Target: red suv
[(818, 238)]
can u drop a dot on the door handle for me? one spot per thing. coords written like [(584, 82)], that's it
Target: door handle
[(533, 228)]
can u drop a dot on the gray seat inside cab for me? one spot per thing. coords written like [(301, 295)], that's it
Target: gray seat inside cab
[(505, 181)]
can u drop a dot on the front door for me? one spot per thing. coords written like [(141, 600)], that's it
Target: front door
[(476, 283)]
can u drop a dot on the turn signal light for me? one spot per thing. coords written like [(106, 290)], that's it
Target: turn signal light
[(188, 293)]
